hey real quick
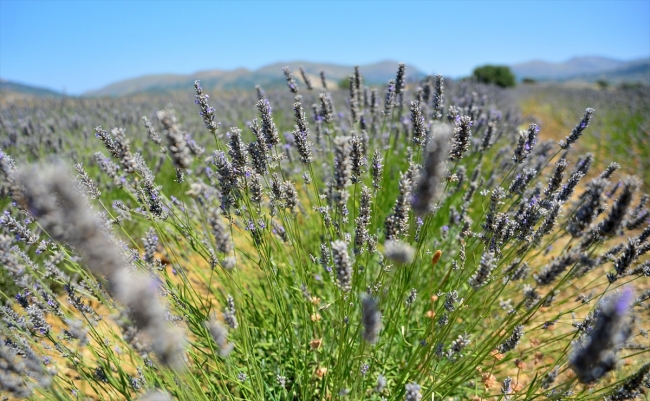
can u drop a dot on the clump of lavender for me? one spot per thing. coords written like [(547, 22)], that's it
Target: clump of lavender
[(577, 131), (595, 354), (13, 367), (306, 250), (66, 219)]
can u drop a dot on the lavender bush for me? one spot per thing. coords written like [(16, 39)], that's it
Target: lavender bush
[(310, 244)]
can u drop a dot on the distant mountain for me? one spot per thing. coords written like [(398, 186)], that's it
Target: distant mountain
[(268, 76), (587, 69), (633, 71), (14, 87)]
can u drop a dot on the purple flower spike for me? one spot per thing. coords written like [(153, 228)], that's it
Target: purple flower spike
[(624, 300)]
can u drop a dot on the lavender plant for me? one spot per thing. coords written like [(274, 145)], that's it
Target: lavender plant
[(465, 260)]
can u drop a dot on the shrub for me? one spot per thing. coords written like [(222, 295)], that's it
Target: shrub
[(391, 256), (499, 75)]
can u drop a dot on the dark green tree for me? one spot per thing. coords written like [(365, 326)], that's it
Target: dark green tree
[(499, 75), (344, 83)]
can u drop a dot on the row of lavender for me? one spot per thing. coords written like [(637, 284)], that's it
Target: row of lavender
[(394, 243)]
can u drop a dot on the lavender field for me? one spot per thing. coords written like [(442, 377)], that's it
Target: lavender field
[(422, 239)]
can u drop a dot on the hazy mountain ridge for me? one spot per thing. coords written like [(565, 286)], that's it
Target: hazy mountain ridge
[(267, 76), (15, 87), (589, 69), (635, 71)]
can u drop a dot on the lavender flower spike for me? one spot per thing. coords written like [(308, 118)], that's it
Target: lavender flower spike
[(399, 252), (49, 194), (417, 119), (428, 185), (595, 353), (461, 138), (306, 78), (291, 83), (527, 139), (412, 392), (577, 130), (371, 318), (400, 82), (438, 98), (343, 265), (632, 388), (207, 112)]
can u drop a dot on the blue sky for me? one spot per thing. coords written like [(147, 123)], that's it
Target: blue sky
[(84, 45)]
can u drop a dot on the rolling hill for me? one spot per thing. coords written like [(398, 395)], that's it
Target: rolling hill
[(268, 76), (588, 69), (23, 89)]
